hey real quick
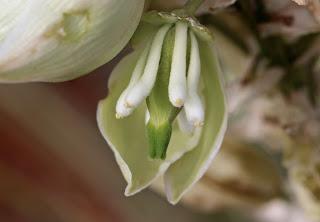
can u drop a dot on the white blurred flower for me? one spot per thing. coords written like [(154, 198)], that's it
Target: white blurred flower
[(289, 19), (62, 39)]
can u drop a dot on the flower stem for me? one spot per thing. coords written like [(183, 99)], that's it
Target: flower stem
[(192, 5)]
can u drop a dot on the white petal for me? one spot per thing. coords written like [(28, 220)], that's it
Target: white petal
[(58, 40), (181, 175)]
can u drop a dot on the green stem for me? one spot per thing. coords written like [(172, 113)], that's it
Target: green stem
[(192, 5)]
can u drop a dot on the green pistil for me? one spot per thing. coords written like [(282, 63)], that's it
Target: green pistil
[(162, 112)]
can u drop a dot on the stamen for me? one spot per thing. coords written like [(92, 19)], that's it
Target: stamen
[(177, 82), (143, 87), (193, 105), (122, 108)]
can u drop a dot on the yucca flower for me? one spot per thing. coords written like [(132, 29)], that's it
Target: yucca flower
[(165, 113)]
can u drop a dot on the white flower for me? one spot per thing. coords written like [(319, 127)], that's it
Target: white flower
[(59, 40), (175, 70)]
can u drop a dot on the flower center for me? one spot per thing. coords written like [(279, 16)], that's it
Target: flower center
[(166, 76)]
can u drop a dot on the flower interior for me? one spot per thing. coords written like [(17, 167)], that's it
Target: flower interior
[(166, 76)]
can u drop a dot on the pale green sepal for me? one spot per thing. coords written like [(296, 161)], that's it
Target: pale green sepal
[(127, 138), (185, 172), (58, 40)]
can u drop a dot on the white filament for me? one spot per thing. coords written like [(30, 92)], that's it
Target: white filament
[(193, 105), (122, 110), (143, 87), (177, 81)]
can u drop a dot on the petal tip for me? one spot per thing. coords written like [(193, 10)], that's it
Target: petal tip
[(171, 197)]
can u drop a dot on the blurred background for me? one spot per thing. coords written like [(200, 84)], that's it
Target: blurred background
[(55, 166)]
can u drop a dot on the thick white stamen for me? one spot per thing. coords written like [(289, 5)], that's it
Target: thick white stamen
[(193, 105), (184, 125), (145, 84), (122, 110), (178, 82)]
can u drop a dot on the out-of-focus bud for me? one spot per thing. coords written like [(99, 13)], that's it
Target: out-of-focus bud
[(60, 40), (289, 19), (312, 5)]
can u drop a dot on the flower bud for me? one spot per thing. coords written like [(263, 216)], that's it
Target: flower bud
[(59, 40)]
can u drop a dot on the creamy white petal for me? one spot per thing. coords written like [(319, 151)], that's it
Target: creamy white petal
[(185, 172), (58, 40)]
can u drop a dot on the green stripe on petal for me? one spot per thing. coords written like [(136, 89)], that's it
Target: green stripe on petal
[(182, 174), (127, 137)]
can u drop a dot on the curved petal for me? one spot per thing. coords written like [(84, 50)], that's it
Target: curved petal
[(182, 174), (127, 137), (9, 11), (63, 39)]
